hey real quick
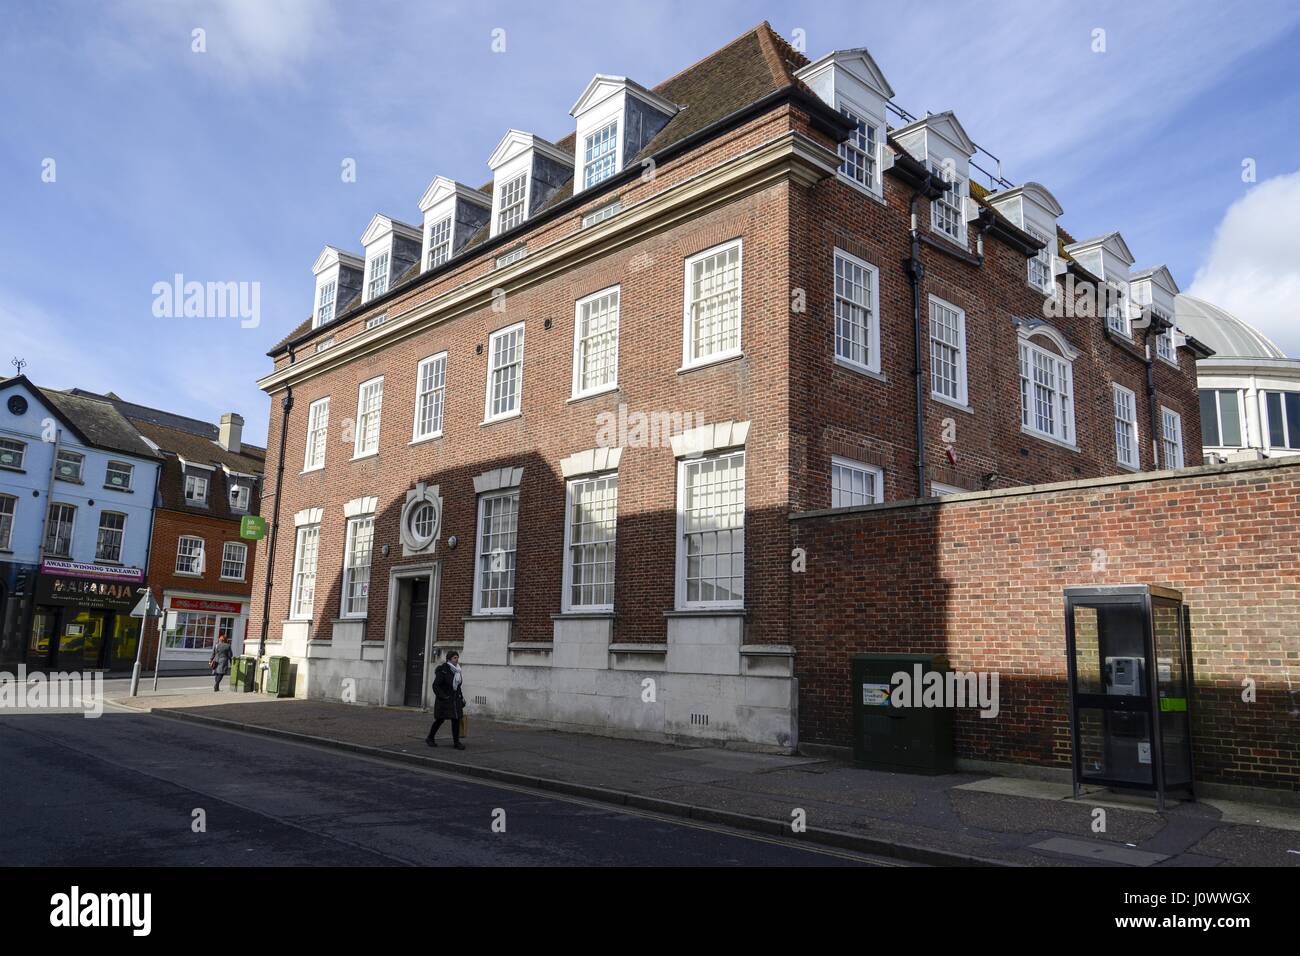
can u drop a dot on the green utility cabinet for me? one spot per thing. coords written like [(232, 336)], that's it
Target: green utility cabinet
[(279, 680), (885, 737), (241, 673)]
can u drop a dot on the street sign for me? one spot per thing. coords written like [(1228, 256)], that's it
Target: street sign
[(252, 527), (146, 606)]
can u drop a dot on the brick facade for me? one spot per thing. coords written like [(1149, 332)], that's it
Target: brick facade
[(981, 579), (766, 179), (169, 526)]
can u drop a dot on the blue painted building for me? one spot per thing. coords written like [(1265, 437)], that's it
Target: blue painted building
[(77, 492)]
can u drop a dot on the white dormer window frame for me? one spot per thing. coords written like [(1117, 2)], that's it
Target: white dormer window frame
[(377, 269), (601, 153), (325, 301), (512, 201), (948, 212), (440, 234), (860, 153), (1167, 346), (1040, 265), (1118, 319)]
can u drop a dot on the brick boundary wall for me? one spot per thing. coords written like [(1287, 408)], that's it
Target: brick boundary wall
[(980, 577)]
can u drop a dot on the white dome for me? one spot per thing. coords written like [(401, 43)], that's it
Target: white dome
[(1222, 331)]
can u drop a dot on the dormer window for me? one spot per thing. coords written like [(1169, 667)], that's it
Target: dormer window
[(325, 308), (512, 198), (439, 242), (339, 277), (615, 119), (1153, 291), (453, 213), (940, 142), (392, 248), (851, 82), (1109, 260), (1117, 317), (600, 155), (1040, 265), (1035, 210), (196, 490), (948, 212), (860, 152), (377, 283)]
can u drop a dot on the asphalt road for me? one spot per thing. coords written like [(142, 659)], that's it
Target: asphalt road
[(123, 790)]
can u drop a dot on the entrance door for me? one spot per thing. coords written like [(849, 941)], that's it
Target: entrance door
[(417, 629)]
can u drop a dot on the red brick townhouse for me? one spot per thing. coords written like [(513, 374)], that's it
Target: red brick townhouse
[(199, 566), (561, 423)]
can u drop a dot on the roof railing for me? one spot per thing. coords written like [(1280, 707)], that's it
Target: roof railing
[(996, 179)]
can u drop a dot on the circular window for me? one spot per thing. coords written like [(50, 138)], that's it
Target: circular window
[(17, 405), (423, 522)]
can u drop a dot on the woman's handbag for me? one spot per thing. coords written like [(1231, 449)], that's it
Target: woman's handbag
[(464, 725)]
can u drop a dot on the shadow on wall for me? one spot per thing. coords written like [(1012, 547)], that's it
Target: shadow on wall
[(982, 581)]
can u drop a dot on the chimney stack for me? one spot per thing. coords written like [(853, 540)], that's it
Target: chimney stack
[(232, 432)]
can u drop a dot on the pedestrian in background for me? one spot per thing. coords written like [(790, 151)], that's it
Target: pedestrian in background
[(220, 661), (448, 700)]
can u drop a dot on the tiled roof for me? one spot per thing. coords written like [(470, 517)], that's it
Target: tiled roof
[(753, 65), (102, 424), (194, 448)]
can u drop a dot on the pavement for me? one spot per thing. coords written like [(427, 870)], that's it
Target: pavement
[(962, 818)]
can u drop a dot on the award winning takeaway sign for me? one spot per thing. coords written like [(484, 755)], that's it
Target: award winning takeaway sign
[(102, 572), (74, 584)]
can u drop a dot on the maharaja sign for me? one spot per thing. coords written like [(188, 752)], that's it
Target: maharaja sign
[(72, 584)]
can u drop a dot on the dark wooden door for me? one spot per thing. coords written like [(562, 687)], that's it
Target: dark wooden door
[(418, 627)]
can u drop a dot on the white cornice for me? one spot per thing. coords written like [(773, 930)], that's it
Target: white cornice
[(517, 141), (790, 156), (382, 225), (1112, 241), (944, 125), (331, 256), (603, 86), (859, 63), (1036, 193), (442, 187)]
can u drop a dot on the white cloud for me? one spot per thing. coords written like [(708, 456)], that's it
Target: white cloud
[(1251, 269), (249, 40)]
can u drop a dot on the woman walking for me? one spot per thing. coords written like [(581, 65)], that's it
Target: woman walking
[(448, 701), (220, 661)]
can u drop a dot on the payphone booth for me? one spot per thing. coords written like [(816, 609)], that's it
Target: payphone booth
[(1130, 688)]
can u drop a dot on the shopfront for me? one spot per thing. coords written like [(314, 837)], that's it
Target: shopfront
[(82, 618), (194, 624), (16, 584)]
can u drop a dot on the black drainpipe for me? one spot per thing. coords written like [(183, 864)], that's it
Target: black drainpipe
[(1151, 394), (915, 270), (286, 405)]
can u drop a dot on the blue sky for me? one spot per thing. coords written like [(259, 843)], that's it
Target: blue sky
[(225, 165)]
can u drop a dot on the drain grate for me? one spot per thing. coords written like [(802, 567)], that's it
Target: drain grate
[(700, 720), (480, 700)]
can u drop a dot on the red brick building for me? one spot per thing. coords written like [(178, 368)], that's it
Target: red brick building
[(199, 566), (562, 423)]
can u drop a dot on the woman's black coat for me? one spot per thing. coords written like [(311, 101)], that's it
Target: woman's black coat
[(447, 704)]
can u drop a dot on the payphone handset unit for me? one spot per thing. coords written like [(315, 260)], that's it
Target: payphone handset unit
[(1125, 676)]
